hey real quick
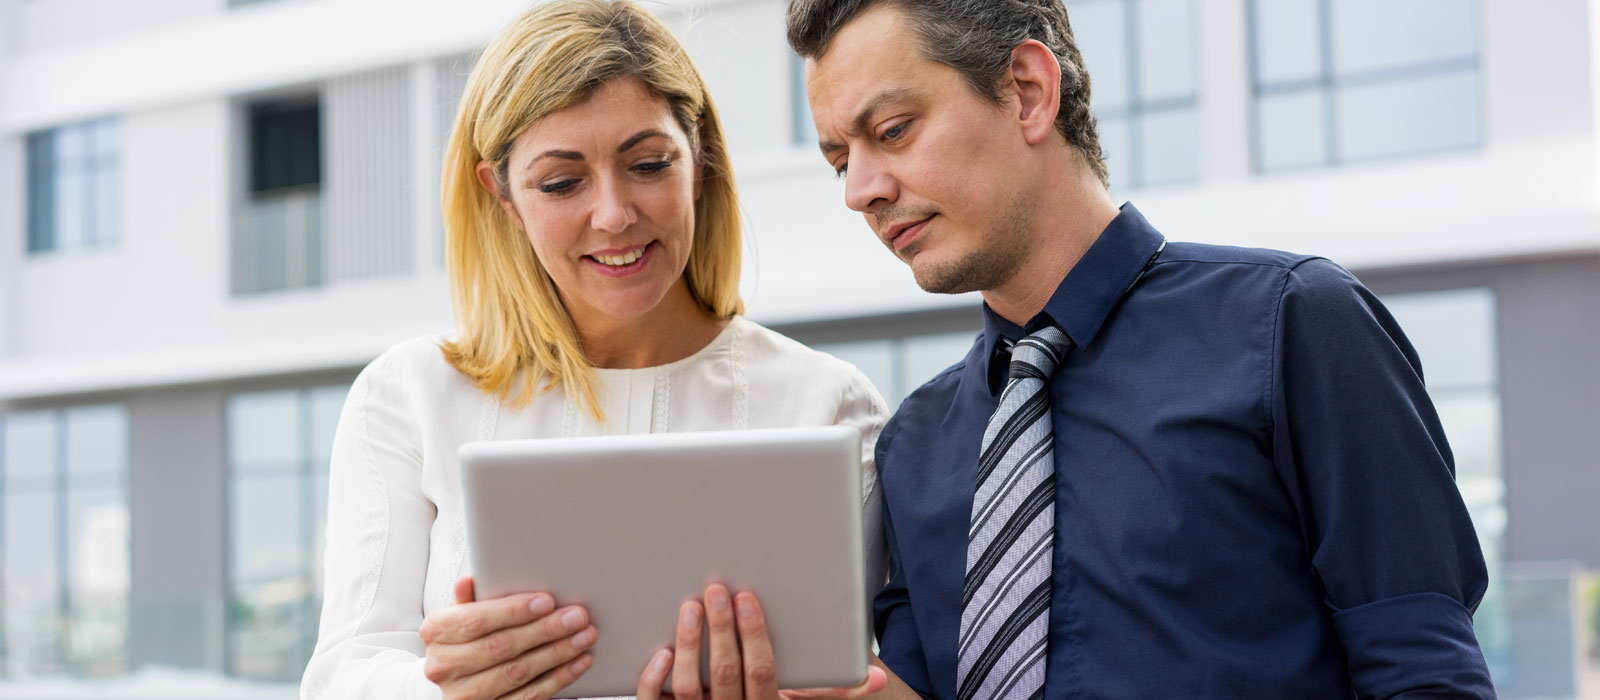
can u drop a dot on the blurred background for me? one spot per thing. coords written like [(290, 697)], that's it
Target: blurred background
[(213, 213)]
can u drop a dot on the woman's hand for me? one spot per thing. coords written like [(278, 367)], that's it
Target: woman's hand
[(742, 664), (512, 648)]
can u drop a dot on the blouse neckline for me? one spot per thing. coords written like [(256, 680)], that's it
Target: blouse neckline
[(722, 339)]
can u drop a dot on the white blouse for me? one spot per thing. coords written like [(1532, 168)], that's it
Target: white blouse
[(396, 535)]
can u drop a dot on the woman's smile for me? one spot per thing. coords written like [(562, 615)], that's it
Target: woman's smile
[(620, 262)]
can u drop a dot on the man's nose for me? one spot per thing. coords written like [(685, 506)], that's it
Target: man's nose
[(868, 184)]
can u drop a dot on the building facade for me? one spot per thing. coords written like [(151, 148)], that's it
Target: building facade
[(214, 213)]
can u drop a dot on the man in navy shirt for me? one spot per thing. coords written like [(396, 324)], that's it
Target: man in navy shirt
[(1252, 494)]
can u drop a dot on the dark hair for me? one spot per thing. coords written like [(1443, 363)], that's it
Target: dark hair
[(976, 38)]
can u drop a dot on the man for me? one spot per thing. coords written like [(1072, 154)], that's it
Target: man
[(1163, 470)]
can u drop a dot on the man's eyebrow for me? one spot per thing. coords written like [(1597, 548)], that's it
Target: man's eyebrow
[(863, 120)]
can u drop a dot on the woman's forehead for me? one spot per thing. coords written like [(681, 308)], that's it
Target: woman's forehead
[(615, 112)]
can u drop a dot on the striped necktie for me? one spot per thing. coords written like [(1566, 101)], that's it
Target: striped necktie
[(1005, 608)]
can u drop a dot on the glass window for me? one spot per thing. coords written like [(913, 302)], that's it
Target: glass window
[(73, 186), (1291, 131), (1378, 35), (1454, 335), (1141, 57), (1287, 44), (875, 358), (285, 145), (803, 131), (65, 509), (898, 365), (928, 355), (277, 239), (1358, 80), (1409, 116), (278, 447)]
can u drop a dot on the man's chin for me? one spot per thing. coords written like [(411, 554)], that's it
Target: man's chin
[(935, 278)]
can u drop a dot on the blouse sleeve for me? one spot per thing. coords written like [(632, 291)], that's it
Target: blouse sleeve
[(377, 550), (862, 408)]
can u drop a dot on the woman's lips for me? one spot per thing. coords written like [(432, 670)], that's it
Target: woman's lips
[(622, 270)]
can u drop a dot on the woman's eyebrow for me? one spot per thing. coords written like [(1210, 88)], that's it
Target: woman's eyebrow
[(636, 138)]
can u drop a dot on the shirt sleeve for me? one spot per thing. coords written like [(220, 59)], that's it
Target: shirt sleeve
[(862, 408), (1365, 460), (377, 551), (899, 646)]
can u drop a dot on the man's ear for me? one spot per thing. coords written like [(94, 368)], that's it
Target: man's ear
[(1035, 77), (485, 171)]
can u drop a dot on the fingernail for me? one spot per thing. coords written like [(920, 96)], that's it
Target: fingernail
[(583, 639), (747, 607), (541, 605), (690, 618), (659, 664), (582, 664), (717, 598), (573, 620)]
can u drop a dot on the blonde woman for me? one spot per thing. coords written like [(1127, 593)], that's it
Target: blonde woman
[(594, 265)]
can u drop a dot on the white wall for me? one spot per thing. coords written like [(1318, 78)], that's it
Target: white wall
[(13, 237), (156, 309), (156, 306), (42, 26)]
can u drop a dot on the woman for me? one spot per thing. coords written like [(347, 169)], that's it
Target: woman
[(594, 265)]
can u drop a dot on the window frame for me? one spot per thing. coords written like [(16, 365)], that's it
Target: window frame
[(305, 471), (1133, 117), (42, 168), (1327, 84), (59, 486)]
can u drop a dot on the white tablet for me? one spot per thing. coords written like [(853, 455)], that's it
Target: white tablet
[(631, 526)]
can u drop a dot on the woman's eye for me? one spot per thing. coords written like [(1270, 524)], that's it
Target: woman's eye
[(557, 187), (842, 170), (653, 166)]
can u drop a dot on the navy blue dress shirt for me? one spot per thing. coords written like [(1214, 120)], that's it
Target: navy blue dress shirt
[(1254, 497)]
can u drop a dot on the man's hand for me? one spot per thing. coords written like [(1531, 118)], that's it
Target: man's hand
[(742, 663)]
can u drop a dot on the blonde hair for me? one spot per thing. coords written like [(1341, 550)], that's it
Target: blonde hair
[(514, 337)]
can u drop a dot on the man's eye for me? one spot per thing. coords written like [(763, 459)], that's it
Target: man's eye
[(895, 131), (842, 170)]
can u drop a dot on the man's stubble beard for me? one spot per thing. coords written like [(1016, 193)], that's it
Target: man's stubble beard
[(989, 266)]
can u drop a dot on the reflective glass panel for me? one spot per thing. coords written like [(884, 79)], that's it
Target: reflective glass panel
[(1100, 29), (928, 355), (30, 448), (1292, 130), (34, 625), (1454, 334), (1405, 117), (264, 432), (1169, 150), (1117, 151), (97, 440), (1167, 65), (1287, 40), (1379, 35), (97, 580), (875, 358)]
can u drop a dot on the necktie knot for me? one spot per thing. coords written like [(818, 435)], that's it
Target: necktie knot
[(1040, 354)]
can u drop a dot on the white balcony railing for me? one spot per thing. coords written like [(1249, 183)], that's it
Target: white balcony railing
[(278, 242)]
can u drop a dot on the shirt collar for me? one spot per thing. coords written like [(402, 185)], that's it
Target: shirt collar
[(1085, 298)]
